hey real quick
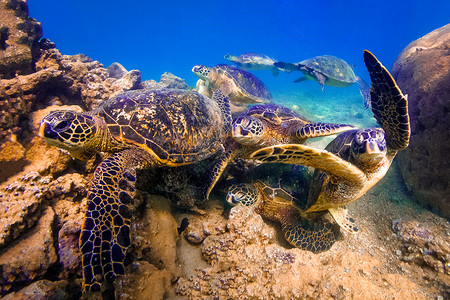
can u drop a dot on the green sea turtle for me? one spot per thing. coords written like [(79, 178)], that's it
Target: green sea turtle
[(255, 61), (355, 160), (306, 230), (141, 129), (328, 70), (240, 86), (266, 125)]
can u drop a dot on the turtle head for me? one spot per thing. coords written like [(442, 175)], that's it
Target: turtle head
[(243, 193), (248, 130), (369, 146), (71, 131), (230, 57), (201, 71)]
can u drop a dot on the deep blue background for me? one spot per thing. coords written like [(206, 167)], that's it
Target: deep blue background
[(159, 36)]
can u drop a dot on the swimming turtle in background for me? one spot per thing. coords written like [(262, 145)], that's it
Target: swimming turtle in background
[(255, 61), (355, 160), (329, 70), (266, 125), (141, 129), (240, 86)]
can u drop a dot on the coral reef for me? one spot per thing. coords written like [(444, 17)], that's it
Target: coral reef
[(19, 37), (422, 71), (401, 251), (168, 80)]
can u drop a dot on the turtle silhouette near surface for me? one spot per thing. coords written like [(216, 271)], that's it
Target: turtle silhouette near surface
[(329, 70), (251, 61)]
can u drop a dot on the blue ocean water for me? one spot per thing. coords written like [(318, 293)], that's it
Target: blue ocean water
[(159, 36)]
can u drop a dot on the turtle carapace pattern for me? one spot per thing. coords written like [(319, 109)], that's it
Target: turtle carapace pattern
[(141, 129)]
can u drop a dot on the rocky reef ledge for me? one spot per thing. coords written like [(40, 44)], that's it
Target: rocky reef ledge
[(401, 252)]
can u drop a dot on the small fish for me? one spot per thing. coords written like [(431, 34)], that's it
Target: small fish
[(184, 224)]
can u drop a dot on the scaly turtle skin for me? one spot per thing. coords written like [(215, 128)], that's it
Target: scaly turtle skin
[(240, 86), (308, 231), (356, 160), (270, 124), (141, 129), (329, 70), (255, 61), (267, 125)]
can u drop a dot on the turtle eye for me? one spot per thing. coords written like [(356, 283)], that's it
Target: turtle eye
[(62, 125), (359, 138), (380, 135)]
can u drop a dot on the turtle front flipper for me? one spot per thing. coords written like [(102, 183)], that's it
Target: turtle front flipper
[(311, 130), (311, 157), (105, 233), (320, 78), (310, 235), (218, 167), (340, 215), (364, 89), (224, 104), (228, 154), (389, 105)]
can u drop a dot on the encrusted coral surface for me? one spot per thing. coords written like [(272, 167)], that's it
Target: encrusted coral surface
[(422, 71)]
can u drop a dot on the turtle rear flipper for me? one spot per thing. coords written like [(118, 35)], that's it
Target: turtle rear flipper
[(314, 236), (228, 154), (364, 89), (340, 215), (275, 71), (389, 105), (286, 66), (216, 171), (303, 78), (311, 157), (311, 130), (105, 233)]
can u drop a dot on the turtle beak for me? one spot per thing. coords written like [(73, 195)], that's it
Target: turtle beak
[(372, 147), (42, 128), (239, 131), (45, 131)]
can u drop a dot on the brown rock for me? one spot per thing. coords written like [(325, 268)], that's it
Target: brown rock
[(21, 204), (422, 71), (154, 243), (19, 36), (41, 290), (155, 235), (12, 159), (168, 80), (71, 217), (144, 281), (423, 246), (19, 95), (29, 258)]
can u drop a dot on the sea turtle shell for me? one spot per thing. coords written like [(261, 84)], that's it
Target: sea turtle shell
[(275, 114), (246, 83), (333, 68), (178, 126)]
